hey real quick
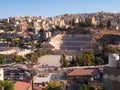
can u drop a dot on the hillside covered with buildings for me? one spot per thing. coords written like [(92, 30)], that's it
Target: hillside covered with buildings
[(69, 51)]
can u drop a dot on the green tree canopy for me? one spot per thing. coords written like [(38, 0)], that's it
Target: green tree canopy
[(109, 49), (84, 87), (79, 61), (32, 57), (63, 61), (2, 59), (54, 86), (87, 60), (18, 59), (98, 61), (7, 85), (102, 25)]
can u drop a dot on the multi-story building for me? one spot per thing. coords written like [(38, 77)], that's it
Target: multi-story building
[(1, 74), (81, 76), (93, 21)]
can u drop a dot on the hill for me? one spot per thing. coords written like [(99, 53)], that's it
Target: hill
[(109, 36)]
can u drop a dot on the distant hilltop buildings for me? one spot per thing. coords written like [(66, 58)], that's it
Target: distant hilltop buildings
[(27, 32), (58, 22)]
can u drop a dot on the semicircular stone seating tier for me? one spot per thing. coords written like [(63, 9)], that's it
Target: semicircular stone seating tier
[(105, 76), (112, 77), (118, 78)]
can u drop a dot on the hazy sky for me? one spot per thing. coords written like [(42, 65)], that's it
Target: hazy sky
[(48, 8)]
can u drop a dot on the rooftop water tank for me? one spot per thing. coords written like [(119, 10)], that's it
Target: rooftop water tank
[(113, 60)]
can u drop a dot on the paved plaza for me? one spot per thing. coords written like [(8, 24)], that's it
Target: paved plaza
[(51, 60)]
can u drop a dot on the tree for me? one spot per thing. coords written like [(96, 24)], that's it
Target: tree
[(79, 61), (102, 25), (7, 85), (109, 49), (32, 57), (87, 60), (84, 87), (18, 59), (40, 53), (54, 86), (73, 61), (98, 61), (2, 59), (108, 24), (88, 22), (15, 42), (63, 61)]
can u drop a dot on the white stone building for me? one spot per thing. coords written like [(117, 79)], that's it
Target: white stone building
[(113, 60), (1, 74)]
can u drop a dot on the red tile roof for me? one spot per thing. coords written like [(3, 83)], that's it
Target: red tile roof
[(81, 72), (21, 85)]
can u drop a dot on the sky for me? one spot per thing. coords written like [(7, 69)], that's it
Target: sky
[(48, 8)]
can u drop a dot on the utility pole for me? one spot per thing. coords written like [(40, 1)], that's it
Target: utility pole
[(31, 67), (32, 78), (32, 84), (11, 76)]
